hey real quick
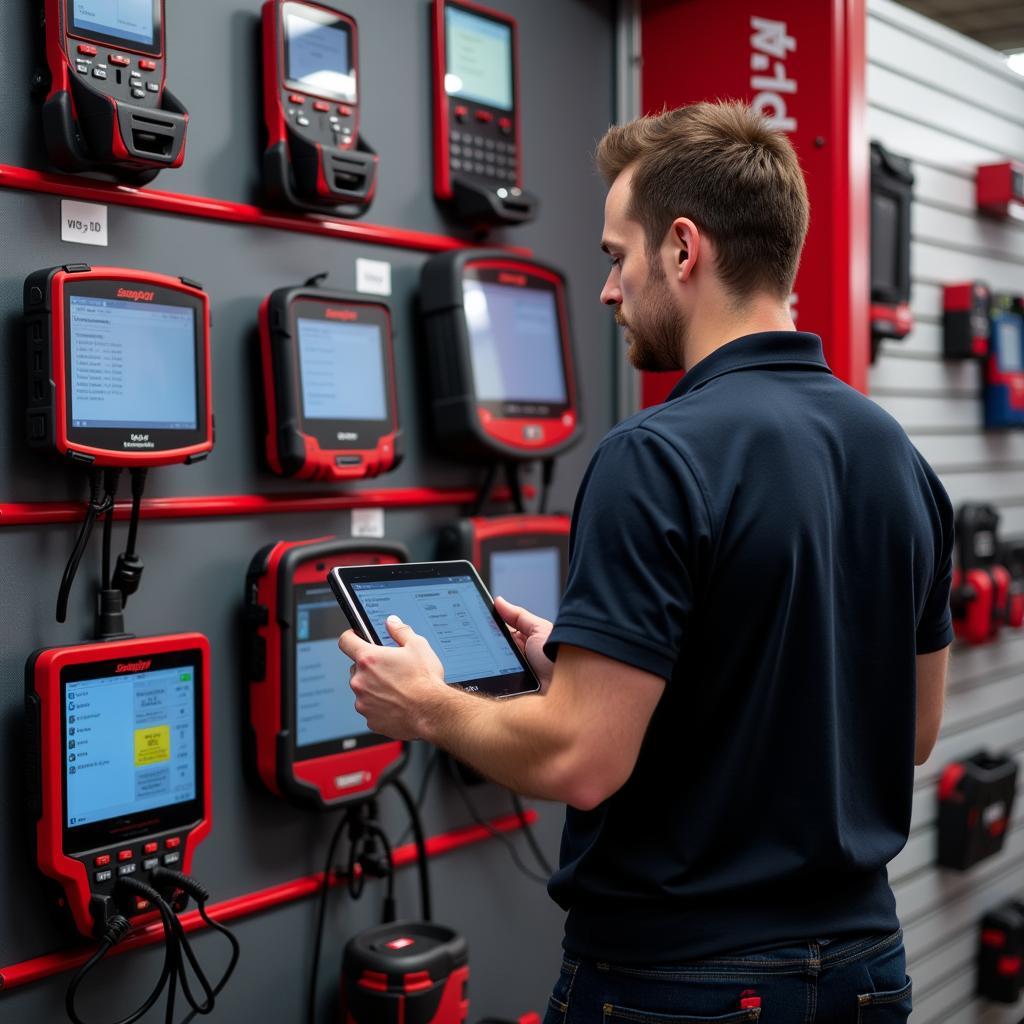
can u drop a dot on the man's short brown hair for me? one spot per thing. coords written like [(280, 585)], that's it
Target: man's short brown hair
[(726, 169)]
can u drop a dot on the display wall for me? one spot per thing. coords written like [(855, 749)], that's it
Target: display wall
[(949, 105), (196, 565)]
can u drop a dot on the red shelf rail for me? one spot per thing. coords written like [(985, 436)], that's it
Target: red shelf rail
[(40, 967), (48, 513), (91, 190)]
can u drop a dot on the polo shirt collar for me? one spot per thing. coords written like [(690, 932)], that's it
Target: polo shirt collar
[(763, 350)]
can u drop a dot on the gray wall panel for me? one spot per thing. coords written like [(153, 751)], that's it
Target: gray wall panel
[(949, 105)]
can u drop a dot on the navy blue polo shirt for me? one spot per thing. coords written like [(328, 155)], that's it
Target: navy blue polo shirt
[(770, 543)]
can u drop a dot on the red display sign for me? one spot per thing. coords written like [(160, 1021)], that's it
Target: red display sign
[(802, 65)]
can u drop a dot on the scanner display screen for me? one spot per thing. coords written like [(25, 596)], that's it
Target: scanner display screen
[(324, 704), (478, 66), (449, 611), (530, 578), (119, 350), (319, 55), (129, 743), (342, 370), (129, 20), (885, 226), (515, 342), (1009, 344)]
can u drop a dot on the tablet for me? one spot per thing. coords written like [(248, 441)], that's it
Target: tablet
[(446, 603)]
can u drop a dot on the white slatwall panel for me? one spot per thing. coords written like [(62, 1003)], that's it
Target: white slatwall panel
[(946, 103)]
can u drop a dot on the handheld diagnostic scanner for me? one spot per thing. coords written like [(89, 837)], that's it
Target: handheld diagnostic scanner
[(524, 558), (328, 384), (500, 355), (1004, 369), (98, 338), (109, 107), (315, 157), (892, 185), (119, 749), (477, 160), (308, 744)]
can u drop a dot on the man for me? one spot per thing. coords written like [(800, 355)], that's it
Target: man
[(760, 571)]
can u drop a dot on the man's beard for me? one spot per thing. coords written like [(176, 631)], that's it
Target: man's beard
[(657, 328)]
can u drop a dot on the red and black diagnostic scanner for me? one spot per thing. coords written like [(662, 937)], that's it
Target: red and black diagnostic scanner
[(500, 356), (308, 743), (411, 972), (1001, 953), (983, 597), (97, 339), (316, 159), (999, 189), (525, 559), (966, 327), (976, 798), (477, 159), (108, 106), (329, 384), (1004, 368), (892, 191), (119, 750)]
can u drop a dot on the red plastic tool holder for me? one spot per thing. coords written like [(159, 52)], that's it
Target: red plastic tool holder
[(40, 967), (44, 513), (69, 187), (998, 188)]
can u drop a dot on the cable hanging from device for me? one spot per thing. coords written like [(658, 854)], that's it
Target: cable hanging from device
[(97, 505)]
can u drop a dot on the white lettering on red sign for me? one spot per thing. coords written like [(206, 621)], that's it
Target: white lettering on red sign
[(770, 44)]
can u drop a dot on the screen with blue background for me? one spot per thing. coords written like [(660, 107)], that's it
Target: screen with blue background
[(318, 57), (130, 743), (450, 612), (324, 704), (515, 343), (478, 65), (132, 365), (530, 578), (342, 370), (130, 20)]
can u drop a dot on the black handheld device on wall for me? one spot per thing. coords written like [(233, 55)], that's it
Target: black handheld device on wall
[(316, 158), (109, 107), (477, 151), (309, 744)]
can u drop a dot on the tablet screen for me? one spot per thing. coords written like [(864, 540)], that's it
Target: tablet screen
[(450, 609)]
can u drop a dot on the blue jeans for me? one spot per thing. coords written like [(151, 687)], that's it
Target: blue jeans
[(863, 981)]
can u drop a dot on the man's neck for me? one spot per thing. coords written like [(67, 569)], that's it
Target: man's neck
[(712, 332)]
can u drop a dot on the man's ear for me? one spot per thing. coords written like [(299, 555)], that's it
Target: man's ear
[(686, 242)]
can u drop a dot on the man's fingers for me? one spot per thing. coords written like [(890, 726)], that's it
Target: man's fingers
[(400, 632), (519, 618), (352, 644)]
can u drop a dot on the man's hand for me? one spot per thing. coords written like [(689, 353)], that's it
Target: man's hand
[(530, 633), (395, 688)]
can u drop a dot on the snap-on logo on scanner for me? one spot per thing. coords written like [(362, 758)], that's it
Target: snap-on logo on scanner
[(135, 294), (134, 666)]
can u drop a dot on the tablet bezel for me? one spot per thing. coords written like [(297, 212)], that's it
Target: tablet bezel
[(341, 578)]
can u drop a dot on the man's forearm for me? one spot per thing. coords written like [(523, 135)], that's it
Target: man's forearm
[(516, 742)]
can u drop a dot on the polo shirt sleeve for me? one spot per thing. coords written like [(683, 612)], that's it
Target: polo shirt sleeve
[(640, 532), (935, 627)]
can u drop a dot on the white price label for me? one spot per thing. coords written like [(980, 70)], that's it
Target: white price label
[(368, 522), (85, 223), (373, 277)]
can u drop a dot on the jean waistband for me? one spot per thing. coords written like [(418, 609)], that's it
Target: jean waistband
[(816, 955)]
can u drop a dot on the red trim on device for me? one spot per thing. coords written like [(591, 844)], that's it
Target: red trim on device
[(47, 513), (486, 528), (994, 192), (104, 456), (323, 772), (994, 938), (49, 964), (950, 780), (69, 187), (958, 298), (71, 873)]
